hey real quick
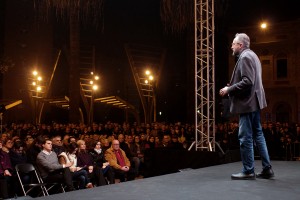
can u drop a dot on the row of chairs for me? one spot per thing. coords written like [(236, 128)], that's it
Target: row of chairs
[(36, 181)]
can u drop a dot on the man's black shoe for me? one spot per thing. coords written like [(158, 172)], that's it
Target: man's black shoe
[(266, 173), (243, 176)]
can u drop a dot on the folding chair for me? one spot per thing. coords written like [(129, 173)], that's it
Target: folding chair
[(35, 181), (49, 185)]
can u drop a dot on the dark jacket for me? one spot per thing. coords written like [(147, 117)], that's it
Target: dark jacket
[(84, 159), (98, 158), (5, 163), (17, 158), (245, 89)]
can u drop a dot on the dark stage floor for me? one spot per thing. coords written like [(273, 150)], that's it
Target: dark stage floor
[(204, 183)]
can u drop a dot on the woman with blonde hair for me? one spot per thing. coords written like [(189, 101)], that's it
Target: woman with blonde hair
[(85, 160)]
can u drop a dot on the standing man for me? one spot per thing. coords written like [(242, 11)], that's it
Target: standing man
[(247, 97)]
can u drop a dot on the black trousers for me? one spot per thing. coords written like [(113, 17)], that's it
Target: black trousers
[(109, 174), (124, 176), (97, 176), (4, 187), (61, 176)]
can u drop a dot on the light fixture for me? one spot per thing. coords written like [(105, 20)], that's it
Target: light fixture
[(95, 87), (263, 25)]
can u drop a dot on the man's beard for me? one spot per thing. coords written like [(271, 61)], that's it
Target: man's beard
[(234, 53)]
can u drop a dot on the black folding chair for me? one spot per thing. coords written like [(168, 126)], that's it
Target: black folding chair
[(50, 185), (35, 180)]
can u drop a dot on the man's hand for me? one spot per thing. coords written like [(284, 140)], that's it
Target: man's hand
[(105, 164), (73, 169), (7, 173), (125, 168), (91, 168), (224, 91), (69, 164)]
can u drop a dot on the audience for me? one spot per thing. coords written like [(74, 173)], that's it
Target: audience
[(21, 143)]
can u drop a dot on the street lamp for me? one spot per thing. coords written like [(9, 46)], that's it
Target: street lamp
[(94, 87), (263, 25), (149, 81), (37, 86)]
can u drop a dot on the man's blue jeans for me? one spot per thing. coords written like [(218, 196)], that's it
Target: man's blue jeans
[(250, 133)]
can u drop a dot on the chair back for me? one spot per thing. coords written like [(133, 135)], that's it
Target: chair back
[(25, 168), (28, 169)]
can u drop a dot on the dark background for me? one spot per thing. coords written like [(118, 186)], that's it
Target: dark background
[(138, 21)]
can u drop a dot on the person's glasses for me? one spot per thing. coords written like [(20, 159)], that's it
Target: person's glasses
[(116, 144)]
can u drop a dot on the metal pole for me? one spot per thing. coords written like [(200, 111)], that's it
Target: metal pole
[(92, 109)]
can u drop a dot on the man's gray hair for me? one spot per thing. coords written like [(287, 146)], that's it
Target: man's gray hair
[(244, 39)]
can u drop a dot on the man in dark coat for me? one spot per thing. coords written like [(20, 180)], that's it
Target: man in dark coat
[(247, 97)]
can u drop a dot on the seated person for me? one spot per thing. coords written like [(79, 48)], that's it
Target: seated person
[(119, 162), (7, 144), (85, 160), (17, 156), (175, 144), (137, 151), (166, 141), (57, 145), (50, 169), (150, 144), (34, 149), (100, 162), (78, 173), (5, 174), (134, 161)]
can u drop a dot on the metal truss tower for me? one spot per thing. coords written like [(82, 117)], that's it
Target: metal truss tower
[(204, 76)]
